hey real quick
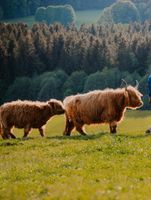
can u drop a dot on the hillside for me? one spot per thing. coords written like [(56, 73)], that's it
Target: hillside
[(98, 166)]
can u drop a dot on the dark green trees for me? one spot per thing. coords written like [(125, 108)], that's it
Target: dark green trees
[(55, 61), (125, 12), (40, 15), (21, 8), (120, 12), (56, 14), (1, 12)]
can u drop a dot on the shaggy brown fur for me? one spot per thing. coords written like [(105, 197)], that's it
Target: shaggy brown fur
[(27, 115), (100, 106)]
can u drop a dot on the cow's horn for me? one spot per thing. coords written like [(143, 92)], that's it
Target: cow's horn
[(126, 85), (137, 84)]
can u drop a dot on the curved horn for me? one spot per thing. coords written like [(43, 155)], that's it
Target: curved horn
[(137, 84), (126, 85)]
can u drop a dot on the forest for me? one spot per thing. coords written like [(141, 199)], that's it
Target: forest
[(55, 61), (126, 11), (14, 8), (21, 8)]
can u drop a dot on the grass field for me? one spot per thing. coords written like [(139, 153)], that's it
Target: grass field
[(87, 17), (98, 166)]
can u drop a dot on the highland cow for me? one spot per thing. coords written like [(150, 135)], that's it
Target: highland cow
[(27, 115), (100, 106)]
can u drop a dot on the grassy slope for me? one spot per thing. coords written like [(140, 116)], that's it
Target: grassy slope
[(87, 17), (99, 166)]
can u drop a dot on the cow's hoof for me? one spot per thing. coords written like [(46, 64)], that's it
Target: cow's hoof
[(83, 134), (148, 131), (113, 133), (66, 134), (12, 136)]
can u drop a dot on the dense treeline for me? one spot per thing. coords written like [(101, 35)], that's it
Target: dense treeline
[(15, 8), (126, 11), (81, 4), (120, 12), (144, 8), (21, 8), (63, 14), (54, 61)]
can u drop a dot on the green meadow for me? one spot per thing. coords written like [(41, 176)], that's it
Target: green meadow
[(98, 166), (83, 17)]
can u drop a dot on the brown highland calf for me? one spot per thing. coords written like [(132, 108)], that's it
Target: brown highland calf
[(100, 106), (27, 115)]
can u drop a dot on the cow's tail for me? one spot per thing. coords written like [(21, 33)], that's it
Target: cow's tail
[(1, 129), (0, 122), (1, 132)]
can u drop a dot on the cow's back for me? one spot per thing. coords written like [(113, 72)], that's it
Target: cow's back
[(20, 114), (87, 108)]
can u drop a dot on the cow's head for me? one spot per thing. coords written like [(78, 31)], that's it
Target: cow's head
[(56, 106), (133, 96)]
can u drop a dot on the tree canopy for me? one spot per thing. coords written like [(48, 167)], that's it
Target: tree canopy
[(40, 15), (22, 8), (55, 61), (120, 12), (63, 14)]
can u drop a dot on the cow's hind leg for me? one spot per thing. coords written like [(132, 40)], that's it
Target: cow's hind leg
[(3, 132), (6, 133), (69, 127), (12, 135), (79, 128), (26, 132), (41, 131)]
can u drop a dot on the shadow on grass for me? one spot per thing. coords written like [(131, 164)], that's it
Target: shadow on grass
[(20, 141), (8, 143), (14, 142), (79, 137), (96, 136), (132, 136)]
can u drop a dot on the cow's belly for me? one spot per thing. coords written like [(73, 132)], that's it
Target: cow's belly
[(29, 124), (92, 120)]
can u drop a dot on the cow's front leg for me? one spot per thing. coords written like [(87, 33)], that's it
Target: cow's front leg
[(41, 131), (148, 131), (113, 127), (69, 127)]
